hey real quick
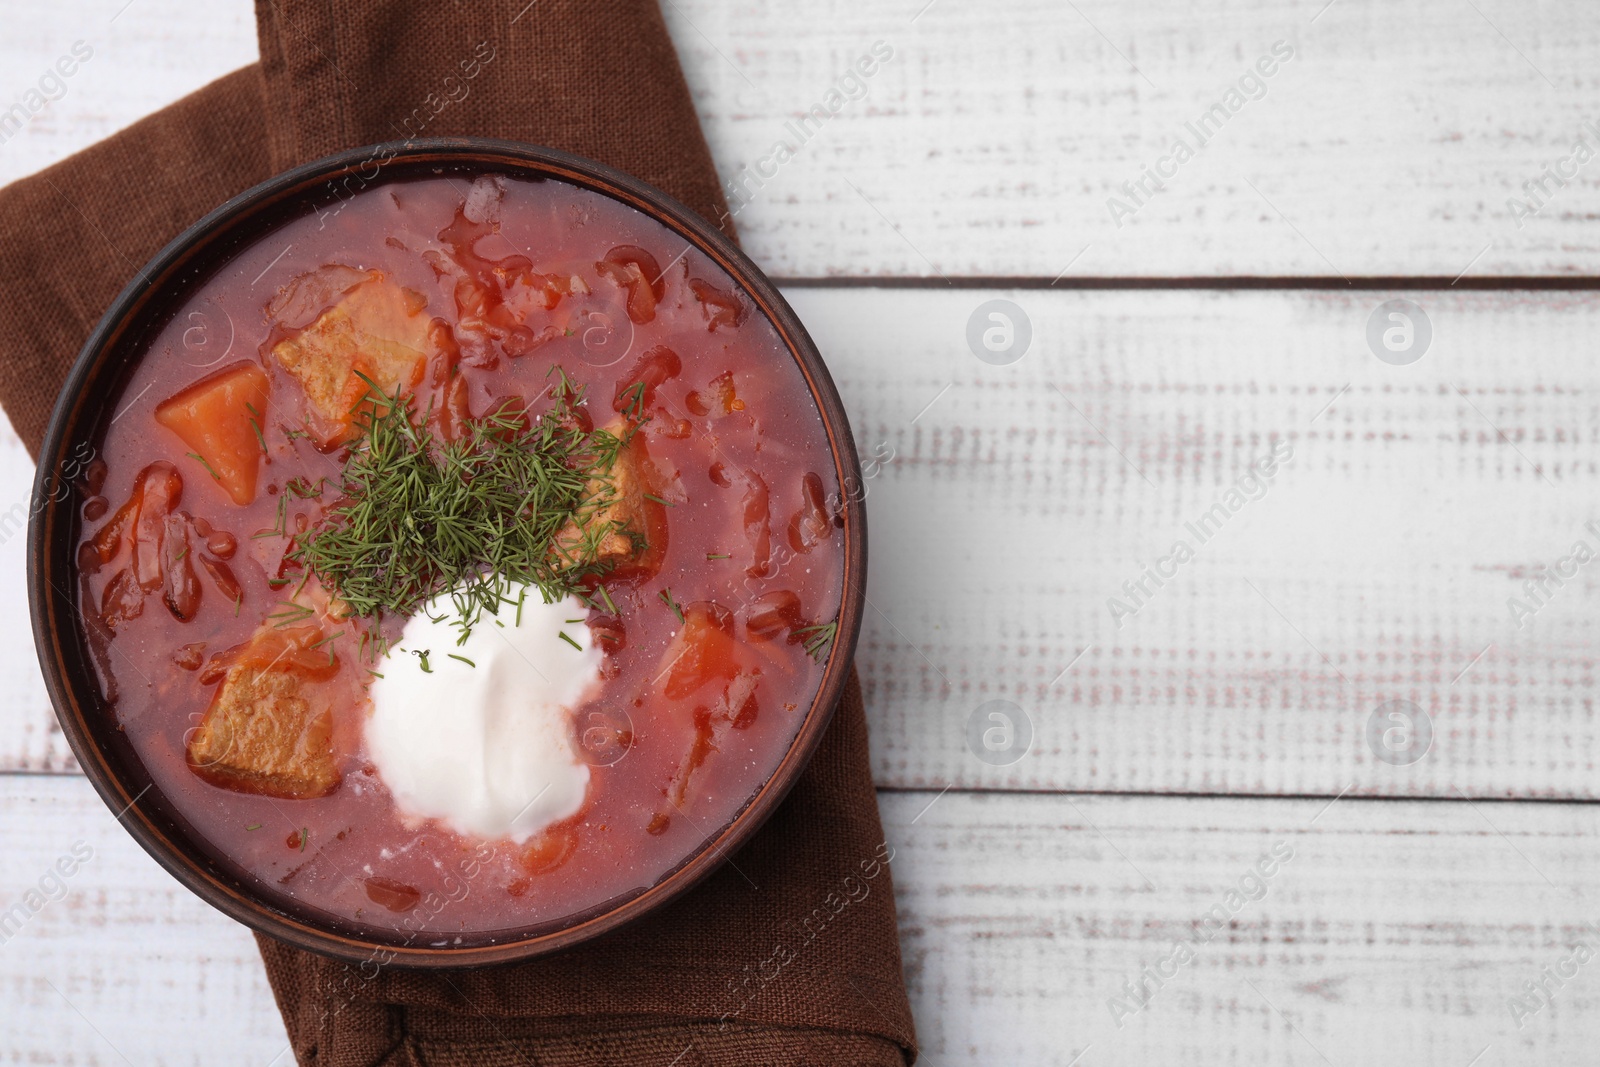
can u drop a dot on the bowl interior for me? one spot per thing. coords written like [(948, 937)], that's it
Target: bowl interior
[(86, 407)]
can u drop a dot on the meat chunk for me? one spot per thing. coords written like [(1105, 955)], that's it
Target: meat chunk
[(376, 329), (269, 728), (619, 521)]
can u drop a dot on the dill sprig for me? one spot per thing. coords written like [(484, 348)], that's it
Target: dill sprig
[(666, 598), (818, 638), (203, 463), (478, 516)]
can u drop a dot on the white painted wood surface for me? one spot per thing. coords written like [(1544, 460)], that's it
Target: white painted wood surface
[(1396, 933), (1376, 565), (992, 140), (1380, 559)]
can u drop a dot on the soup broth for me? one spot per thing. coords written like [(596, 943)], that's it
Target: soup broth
[(238, 642)]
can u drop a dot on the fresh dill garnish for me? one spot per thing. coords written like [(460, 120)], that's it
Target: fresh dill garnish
[(510, 502), (563, 635), (303, 489), (203, 463), (658, 500), (289, 612), (718, 555), (277, 583), (666, 598), (422, 658), (305, 835), (634, 408), (253, 826), (606, 596), (325, 641), (463, 659), (282, 527), (817, 638), (255, 424)]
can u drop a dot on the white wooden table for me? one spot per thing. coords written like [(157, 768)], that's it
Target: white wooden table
[(1225, 718)]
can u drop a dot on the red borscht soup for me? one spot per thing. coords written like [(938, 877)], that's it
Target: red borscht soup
[(460, 558)]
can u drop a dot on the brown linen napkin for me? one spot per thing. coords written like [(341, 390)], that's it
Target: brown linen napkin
[(788, 954)]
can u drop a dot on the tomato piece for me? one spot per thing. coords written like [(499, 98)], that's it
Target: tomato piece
[(637, 272), (736, 708), (396, 896), (155, 494), (721, 307), (726, 397), (704, 650), (811, 525), (636, 390), (757, 524), (771, 614), (220, 418), (122, 600)]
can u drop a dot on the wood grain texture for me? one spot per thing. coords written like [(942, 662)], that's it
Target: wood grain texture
[(126, 965), (1396, 932), (1377, 565), (992, 140)]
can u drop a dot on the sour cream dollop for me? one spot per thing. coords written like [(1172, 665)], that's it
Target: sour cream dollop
[(485, 746)]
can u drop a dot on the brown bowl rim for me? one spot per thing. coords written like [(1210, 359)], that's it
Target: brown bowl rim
[(53, 610)]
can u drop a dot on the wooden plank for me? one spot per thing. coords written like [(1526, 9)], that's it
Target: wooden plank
[(1376, 565), (30, 737), (1396, 932), (992, 141), (125, 966), (1018, 503)]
